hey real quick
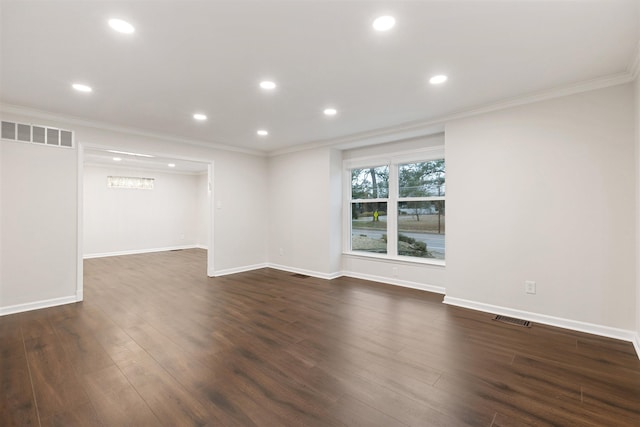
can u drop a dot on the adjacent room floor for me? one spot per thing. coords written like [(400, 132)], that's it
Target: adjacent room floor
[(156, 342)]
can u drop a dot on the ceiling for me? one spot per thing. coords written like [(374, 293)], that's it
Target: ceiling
[(133, 161), (209, 56)]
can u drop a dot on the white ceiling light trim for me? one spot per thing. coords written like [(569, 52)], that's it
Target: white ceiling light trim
[(82, 87), (200, 116), (330, 111), (262, 132), (384, 23), (121, 26), (171, 165), (439, 79), (117, 159)]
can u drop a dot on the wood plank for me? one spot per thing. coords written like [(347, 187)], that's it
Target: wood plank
[(17, 404), (156, 342), (54, 380)]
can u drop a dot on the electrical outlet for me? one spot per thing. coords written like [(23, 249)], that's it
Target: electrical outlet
[(281, 252), (530, 287), (394, 271)]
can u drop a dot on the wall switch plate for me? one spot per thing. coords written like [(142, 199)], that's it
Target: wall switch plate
[(530, 287)]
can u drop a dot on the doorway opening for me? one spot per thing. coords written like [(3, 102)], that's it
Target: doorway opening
[(138, 202)]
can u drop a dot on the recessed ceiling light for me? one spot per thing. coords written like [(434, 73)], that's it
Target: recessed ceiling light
[(116, 159), (81, 88), (121, 26), (262, 132), (384, 23), (172, 165), (200, 116), (330, 111), (269, 85), (439, 79)]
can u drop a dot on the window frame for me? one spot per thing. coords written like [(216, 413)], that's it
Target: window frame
[(393, 161)]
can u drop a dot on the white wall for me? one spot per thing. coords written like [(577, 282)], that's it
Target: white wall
[(1, 226), (546, 192), (127, 220), (38, 222), (637, 147), (39, 257), (302, 216), (203, 209), (334, 211)]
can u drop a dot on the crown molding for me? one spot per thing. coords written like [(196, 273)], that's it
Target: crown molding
[(429, 127), (45, 115), (395, 133)]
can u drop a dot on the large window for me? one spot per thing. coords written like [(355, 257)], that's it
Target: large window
[(398, 209)]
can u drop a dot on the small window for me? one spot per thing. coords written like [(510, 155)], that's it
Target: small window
[(8, 130), (129, 182), (24, 132), (53, 136), (66, 138), (38, 134)]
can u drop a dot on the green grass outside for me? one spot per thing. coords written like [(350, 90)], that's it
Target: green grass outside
[(427, 223)]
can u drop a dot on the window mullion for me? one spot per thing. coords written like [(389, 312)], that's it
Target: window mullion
[(421, 199)]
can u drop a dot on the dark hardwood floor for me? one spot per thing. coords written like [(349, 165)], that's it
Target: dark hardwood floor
[(156, 342)]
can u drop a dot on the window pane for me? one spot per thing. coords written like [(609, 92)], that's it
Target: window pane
[(53, 136), (369, 227), (421, 229), (424, 179), (38, 134), (370, 183), (130, 182), (8, 130)]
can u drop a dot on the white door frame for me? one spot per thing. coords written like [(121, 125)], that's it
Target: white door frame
[(80, 193)]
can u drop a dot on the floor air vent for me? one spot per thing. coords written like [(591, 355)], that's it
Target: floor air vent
[(300, 276), (513, 321)]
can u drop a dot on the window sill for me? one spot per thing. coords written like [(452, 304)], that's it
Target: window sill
[(397, 259)]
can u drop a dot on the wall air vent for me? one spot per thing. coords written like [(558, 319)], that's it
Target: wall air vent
[(37, 134)]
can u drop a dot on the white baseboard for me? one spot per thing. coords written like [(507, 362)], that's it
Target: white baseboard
[(235, 270), (327, 276), (199, 246), (396, 282), (36, 305), (575, 325), (140, 251)]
